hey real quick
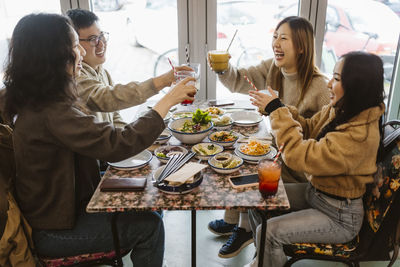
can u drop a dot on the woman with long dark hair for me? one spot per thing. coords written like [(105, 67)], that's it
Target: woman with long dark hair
[(337, 148), (293, 73), (57, 146)]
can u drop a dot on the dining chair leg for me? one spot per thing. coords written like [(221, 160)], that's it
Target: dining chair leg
[(116, 239), (262, 241), (193, 238)]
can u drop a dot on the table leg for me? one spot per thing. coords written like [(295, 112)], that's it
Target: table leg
[(262, 241), (116, 238), (193, 238)]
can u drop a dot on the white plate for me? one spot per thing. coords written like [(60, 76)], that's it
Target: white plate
[(246, 118), (181, 189), (135, 162), (255, 159)]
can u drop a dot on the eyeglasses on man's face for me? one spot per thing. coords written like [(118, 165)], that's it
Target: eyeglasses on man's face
[(95, 40)]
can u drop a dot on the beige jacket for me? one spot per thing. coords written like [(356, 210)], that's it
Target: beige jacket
[(315, 98), (341, 162), (105, 99)]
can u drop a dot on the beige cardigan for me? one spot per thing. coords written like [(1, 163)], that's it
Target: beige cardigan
[(341, 162), (105, 99), (315, 98)]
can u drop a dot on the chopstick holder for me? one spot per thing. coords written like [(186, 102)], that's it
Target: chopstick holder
[(185, 173), (174, 165)]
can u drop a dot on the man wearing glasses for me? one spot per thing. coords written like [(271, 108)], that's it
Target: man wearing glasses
[(95, 86)]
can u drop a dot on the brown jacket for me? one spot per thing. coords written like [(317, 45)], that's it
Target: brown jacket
[(56, 150), (341, 162)]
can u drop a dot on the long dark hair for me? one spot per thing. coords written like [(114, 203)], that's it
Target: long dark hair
[(40, 53), (303, 42), (362, 82)]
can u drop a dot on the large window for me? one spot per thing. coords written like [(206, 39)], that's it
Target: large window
[(365, 25), (143, 34), (255, 22), (11, 11)]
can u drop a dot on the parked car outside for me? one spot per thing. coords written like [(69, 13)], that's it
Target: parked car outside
[(251, 44), (359, 25), (393, 4)]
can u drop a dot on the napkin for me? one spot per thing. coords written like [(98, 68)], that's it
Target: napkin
[(185, 173)]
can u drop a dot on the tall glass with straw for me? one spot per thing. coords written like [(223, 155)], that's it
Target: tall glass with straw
[(219, 58), (269, 173)]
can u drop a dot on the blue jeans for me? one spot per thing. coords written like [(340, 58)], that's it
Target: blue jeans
[(318, 219), (143, 232)]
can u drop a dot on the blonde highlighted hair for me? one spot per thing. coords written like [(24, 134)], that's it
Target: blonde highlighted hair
[(303, 42)]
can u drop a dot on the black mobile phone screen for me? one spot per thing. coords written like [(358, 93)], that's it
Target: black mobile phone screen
[(245, 179)]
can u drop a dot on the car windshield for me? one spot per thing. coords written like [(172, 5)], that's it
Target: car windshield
[(362, 20)]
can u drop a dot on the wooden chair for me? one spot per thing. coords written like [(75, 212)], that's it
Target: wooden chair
[(103, 258), (381, 204)]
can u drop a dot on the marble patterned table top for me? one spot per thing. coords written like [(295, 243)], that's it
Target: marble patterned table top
[(215, 191)]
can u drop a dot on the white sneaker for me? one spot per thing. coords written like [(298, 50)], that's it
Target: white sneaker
[(253, 263)]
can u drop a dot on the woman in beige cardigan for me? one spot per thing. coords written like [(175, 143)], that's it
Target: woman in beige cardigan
[(337, 148), (292, 72)]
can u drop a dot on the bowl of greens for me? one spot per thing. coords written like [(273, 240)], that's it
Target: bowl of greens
[(191, 130)]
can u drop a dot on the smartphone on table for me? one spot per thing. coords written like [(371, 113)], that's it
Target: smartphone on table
[(245, 180), (220, 102)]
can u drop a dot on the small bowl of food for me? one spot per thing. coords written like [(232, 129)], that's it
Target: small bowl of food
[(222, 123), (189, 132), (163, 138), (163, 153), (223, 138), (214, 111), (181, 114), (255, 150), (225, 163), (205, 151)]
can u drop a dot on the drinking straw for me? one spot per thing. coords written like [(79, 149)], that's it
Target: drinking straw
[(231, 40), (279, 152), (172, 66), (252, 84)]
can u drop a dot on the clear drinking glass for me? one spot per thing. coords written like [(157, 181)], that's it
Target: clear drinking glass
[(180, 75), (269, 173)]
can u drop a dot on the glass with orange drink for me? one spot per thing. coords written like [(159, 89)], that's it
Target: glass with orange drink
[(269, 173)]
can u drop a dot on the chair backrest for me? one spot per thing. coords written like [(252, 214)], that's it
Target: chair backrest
[(381, 202), (381, 194)]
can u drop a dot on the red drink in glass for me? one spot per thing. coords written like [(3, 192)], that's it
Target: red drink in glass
[(269, 173), (179, 76)]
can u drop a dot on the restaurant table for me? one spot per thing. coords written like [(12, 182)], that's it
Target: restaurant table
[(214, 193)]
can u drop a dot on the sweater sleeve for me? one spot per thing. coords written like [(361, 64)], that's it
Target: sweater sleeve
[(234, 80), (83, 134), (100, 97), (117, 120), (323, 157)]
